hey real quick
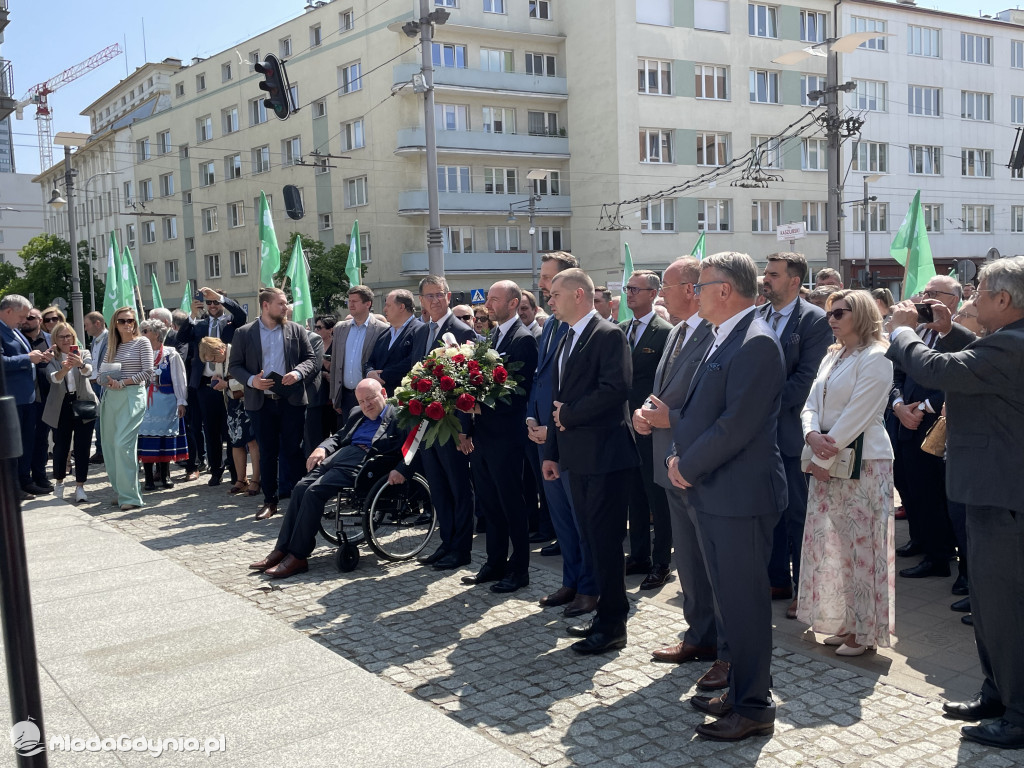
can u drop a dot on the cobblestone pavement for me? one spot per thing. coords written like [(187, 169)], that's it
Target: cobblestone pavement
[(502, 665)]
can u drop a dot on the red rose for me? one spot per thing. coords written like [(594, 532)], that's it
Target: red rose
[(500, 375), (415, 407), (477, 379), (435, 411), (422, 385), (439, 370), (465, 402), (473, 365), (447, 383), (459, 359)]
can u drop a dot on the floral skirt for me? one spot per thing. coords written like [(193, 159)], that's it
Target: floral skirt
[(847, 569), (240, 427)]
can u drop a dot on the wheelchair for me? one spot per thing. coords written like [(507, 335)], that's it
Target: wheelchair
[(396, 521)]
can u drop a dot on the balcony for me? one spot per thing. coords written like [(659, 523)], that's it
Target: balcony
[(5, 16), (410, 140), (7, 101), (489, 83), (471, 263), (413, 202)]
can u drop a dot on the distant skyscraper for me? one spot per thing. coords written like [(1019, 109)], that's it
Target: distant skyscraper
[(6, 146)]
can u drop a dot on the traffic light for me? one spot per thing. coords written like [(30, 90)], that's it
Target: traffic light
[(275, 83)]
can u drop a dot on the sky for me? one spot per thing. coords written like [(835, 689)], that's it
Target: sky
[(45, 38)]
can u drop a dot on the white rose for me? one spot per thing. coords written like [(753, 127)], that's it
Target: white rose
[(492, 355), (451, 352)]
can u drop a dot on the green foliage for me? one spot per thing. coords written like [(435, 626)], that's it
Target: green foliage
[(47, 271), (8, 274), (327, 281)]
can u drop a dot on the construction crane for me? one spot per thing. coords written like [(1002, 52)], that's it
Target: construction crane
[(38, 95)]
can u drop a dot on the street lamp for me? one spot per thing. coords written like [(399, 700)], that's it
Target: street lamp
[(69, 140), (538, 174), (864, 214), (88, 237)]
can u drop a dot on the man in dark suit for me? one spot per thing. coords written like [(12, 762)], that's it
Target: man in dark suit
[(211, 402), (528, 314), (727, 457), (392, 355), (446, 467), (985, 419), (590, 437), (805, 336), (646, 334), (273, 345), (686, 346), (498, 446), (352, 342), (371, 429)]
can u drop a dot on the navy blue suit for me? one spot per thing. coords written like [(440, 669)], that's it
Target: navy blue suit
[(394, 361), (20, 373)]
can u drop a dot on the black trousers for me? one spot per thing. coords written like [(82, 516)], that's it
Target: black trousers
[(193, 432), (313, 428), (71, 431), (788, 538), (497, 474), (278, 427), (925, 500), (27, 425), (451, 493), (647, 503), (40, 446), (215, 426)]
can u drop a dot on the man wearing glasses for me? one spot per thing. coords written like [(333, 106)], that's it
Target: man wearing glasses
[(221, 325), (37, 329), (353, 341)]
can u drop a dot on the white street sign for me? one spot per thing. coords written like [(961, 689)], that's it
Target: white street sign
[(791, 231)]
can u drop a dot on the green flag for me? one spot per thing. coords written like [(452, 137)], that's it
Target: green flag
[(270, 253), (352, 269), (186, 300), (298, 275), (625, 313), (127, 285), (698, 249), (158, 300), (910, 248), (111, 294)]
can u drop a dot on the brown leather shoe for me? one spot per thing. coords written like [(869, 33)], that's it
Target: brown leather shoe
[(290, 566), (561, 596), (269, 561), (683, 652), (734, 727), (581, 605), (719, 706), (266, 512), (716, 678), (791, 610)]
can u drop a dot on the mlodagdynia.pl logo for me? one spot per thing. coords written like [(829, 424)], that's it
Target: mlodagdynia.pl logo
[(25, 738)]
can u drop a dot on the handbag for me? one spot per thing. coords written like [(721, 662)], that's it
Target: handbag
[(847, 462), (84, 409), (935, 440)]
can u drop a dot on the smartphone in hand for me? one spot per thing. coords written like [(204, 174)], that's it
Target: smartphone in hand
[(74, 349), (925, 313)]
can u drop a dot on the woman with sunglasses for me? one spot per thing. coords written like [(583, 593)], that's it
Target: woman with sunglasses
[(129, 362), (847, 568)]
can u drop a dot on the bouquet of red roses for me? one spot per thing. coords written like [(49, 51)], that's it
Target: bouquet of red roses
[(452, 379)]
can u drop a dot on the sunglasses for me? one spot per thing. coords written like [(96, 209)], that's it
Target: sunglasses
[(125, 321), (464, 318), (213, 303), (837, 313), (50, 319)]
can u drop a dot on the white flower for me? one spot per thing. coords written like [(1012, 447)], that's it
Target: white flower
[(492, 355)]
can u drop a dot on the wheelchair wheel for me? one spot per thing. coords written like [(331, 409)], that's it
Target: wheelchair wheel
[(399, 519), (339, 516), (347, 557)]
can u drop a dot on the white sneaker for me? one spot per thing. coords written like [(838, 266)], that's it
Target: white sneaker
[(80, 496), (58, 491)]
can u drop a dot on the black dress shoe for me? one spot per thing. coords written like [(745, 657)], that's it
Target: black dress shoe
[(551, 550), (734, 727), (599, 642), (1001, 733), (967, 619), (433, 557), (961, 606), (580, 630), (484, 575), (46, 485), (960, 586), (451, 562), (215, 480), (635, 567), (35, 490), (975, 709), (96, 458), (926, 568), (909, 549), (658, 576), (24, 495), (718, 706), (512, 582), (540, 536)]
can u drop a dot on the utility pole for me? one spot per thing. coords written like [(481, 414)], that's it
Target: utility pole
[(76, 282), (835, 159)]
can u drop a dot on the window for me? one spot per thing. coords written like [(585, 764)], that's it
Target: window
[(923, 100), (658, 216), (236, 214), (148, 232), (172, 271), (549, 238), (975, 48), (350, 78), (170, 228), (1017, 219), (542, 123), (188, 198), (813, 26), (762, 20), (540, 9), (209, 218), (323, 221), (768, 149), (714, 216), (932, 217), (364, 247), (654, 76), (925, 160), (451, 117), (291, 151), (447, 3), (764, 86), (502, 239), (257, 112), (870, 95), (870, 157), (284, 47), (352, 135), (765, 215), (861, 24), (712, 15), (346, 21), (1017, 110), (261, 159), (923, 41), (712, 148), (319, 108), (129, 235), (127, 193), (448, 55), (877, 218), (814, 216), (460, 239), (179, 90), (225, 72), (190, 244), (976, 163), (1017, 54), (315, 37), (204, 128), (552, 185), (656, 145), (167, 185), (501, 181), (270, 203), (200, 83), (254, 56), (293, 93), (207, 175), (809, 83), (146, 190), (239, 265), (540, 64), (654, 12), (977, 218), (163, 142), (149, 272), (814, 154), (712, 82), (499, 120), (494, 6), (229, 119), (976, 106), (213, 265), (496, 61), (355, 192), (142, 149)]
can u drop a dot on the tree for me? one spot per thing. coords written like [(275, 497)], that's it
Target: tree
[(47, 271), (327, 281), (8, 274)]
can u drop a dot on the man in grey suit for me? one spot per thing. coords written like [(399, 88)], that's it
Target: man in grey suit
[(687, 344), (353, 341), (273, 356), (984, 454), (727, 457)]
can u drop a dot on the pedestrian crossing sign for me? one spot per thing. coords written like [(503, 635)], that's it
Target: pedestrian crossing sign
[(477, 296)]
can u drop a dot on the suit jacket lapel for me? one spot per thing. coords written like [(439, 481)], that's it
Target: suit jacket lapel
[(791, 323), (581, 342), (737, 332), (503, 342)]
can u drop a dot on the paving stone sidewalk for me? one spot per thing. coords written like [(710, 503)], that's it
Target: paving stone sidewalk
[(502, 665)]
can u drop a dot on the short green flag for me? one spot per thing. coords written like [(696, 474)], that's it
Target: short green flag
[(910, 248), (698, 249), (128, 284), (352, 266), (270, 253), (298, 275), (625, 313), (186, 300), (111, 294), (158, 300)]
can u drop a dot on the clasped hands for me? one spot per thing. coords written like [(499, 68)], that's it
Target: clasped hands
[(646, 418)]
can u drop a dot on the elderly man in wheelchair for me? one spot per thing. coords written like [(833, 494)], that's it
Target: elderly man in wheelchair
[(339, 468)]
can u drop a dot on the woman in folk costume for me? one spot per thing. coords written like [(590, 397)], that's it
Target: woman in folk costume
[(162, 434)]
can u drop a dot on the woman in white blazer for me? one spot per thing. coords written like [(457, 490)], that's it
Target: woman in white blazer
[(847, 569)]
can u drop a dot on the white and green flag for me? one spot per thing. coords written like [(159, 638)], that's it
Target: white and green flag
[(698, 248), (128, 282), (625, 313), (270, 252), (111, 294), (298, 275), (352, 269), (158, 300), (186, 300)]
